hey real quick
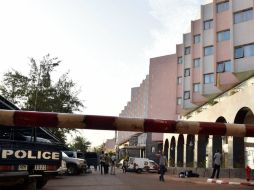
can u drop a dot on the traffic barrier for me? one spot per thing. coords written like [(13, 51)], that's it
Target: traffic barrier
[(66, 120)]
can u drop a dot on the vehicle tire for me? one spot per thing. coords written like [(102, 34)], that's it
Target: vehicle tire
[(139, 170), (28, 186), (41, 183), (72, 169)]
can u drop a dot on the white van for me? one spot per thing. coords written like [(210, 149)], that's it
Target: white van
[(142, 164)]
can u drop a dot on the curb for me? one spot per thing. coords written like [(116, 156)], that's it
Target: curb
[(229, 182)]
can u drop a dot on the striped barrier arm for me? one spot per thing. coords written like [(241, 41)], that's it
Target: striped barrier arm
[(66, 120)]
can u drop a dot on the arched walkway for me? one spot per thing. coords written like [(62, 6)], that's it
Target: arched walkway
[(243, 116), (217, 140), (172, 152), (202, 154), (190, 150), (180, 150)]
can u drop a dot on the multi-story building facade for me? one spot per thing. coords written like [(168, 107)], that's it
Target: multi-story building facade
[(133, 143), (216, 56)]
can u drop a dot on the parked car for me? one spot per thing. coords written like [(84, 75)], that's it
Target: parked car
[(120, 163), (63, 168), (141, 165), (152, 166), (92, 159), (74, 165)]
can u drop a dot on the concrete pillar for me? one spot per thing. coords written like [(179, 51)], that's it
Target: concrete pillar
[(184, 154), (195, 160), (176, 153), (209, 152), (230, 153)]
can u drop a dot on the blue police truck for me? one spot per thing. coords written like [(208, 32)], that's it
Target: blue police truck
[(28, 156)]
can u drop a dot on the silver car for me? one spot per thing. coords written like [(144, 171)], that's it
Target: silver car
[(74, 165), (62, 169)]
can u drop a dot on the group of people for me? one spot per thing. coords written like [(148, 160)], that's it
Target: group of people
[(107, 161)]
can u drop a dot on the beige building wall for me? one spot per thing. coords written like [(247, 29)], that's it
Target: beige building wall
[(137, 107), (228, 107), (162, 87)]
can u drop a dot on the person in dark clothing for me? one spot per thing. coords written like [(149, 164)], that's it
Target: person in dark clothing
[(125, 165), (163, 165), (106, 163)]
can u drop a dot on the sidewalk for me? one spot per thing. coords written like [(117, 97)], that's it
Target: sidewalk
[(203, 180)]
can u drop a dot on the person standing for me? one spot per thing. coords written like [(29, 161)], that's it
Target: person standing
[(113, 165), (125, 165), (106, 163), (163, 164), (102, 162), (216, 164)]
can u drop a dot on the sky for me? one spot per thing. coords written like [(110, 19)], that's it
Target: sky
[(105, 45)]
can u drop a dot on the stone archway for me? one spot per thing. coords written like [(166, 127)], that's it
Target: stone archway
[(180, 149), (202, 153), (217, 140), (243, 116), (190, 145), (172, 152), (166, 147)]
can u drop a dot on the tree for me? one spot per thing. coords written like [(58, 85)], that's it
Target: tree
[(99, 148), (80, 143), (38, 92)]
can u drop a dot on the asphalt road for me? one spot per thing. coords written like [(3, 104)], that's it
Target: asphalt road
[(130, 181)]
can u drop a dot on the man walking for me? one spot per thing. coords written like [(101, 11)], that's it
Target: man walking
[(217, 163), (163, 164)]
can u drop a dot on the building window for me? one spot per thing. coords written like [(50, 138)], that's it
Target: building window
[(196, 87), (186, 50), (224, 35), (208, 78), (208, 24), (224, 66), (197, 39), (186, 72), (243, 16), (244, 51), (222, 6), (196, 62), (179, 80), (186, 95), (180, 60), (179, 101), (208, 50), (239, 52)]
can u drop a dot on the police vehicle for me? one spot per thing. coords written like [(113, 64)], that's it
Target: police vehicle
[(28, 156)]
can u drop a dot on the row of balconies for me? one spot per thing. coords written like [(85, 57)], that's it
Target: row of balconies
[(227, 59)]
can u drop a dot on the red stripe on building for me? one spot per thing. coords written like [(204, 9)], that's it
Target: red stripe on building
[(100, 122), (35, 119), (249, 130), (159, 126), (208, 128)]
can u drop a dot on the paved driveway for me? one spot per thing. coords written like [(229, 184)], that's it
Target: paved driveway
[(131, 181)]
